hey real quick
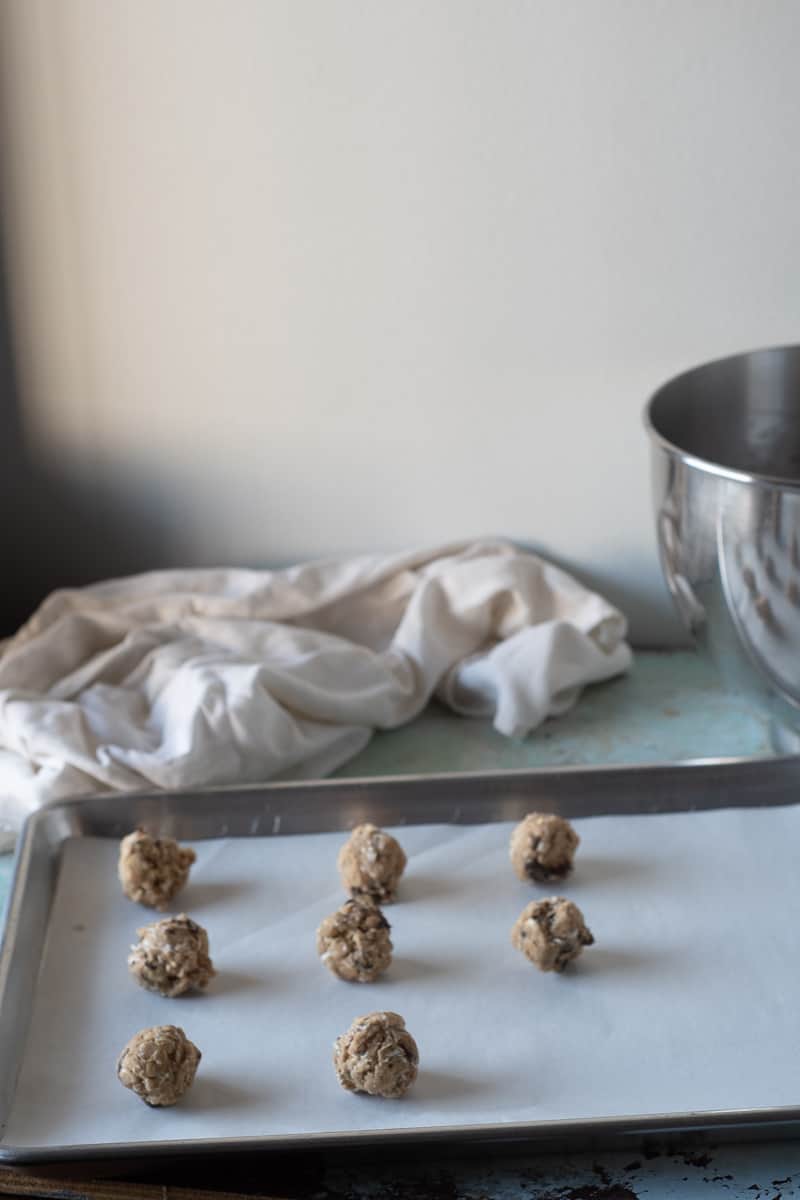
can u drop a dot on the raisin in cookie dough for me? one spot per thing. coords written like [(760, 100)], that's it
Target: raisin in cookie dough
[(371, 863), (377, 1055), (159, 1064), (543, 848), (354, 942), (171, 957), (153, 870), (551, 933)]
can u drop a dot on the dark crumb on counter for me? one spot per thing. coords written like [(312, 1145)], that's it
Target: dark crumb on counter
[(78, 928), (698, 1160)]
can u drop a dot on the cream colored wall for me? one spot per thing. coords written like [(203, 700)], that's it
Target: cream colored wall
[(295, 277)]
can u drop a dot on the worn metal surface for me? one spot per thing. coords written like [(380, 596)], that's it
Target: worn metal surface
[(648, 1173), (703, 1173)]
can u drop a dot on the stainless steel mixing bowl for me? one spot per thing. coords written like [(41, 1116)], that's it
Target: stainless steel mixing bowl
[(726, 486)]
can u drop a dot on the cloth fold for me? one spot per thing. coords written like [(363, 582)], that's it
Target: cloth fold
[(191, 678)]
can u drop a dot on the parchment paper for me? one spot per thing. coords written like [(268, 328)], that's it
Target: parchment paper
[(688, 1001)]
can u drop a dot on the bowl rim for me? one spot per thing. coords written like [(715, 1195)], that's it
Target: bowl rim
[(753, 478)]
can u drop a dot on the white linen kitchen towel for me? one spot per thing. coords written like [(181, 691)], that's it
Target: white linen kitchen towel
[(187, 678)]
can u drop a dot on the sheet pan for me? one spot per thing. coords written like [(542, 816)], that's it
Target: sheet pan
[(682, 1015)]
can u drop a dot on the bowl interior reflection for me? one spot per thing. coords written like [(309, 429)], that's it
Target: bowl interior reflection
[(740, 413)]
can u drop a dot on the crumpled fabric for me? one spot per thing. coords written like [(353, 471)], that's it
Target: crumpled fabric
[(191, 678)]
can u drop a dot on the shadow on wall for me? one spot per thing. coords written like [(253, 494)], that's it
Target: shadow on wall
[(55, 530)]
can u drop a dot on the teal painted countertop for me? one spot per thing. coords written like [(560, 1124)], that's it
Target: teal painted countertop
[(669, 708)]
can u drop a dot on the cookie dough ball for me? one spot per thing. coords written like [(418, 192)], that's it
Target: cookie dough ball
[(543, 847), (153, 870), (159, 1064), (377, 1055), (371, 863), (354, 941), (171, 956), (551, 933)]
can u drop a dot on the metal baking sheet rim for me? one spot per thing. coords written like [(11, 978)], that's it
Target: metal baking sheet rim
[(741, 781), (767, 1124)]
